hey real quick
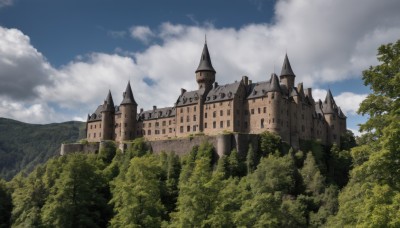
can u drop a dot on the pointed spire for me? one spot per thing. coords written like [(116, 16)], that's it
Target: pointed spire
[(108, 103), (128, 95), (205, 60), (274, 84), (341, 114), (329, 103), (286, 68)]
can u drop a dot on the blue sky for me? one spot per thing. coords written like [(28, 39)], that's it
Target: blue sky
[(59, 58)]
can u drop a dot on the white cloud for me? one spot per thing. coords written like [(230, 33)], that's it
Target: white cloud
[(142, 33), (327, 41)]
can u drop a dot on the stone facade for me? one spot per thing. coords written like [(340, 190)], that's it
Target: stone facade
[(274, 105)]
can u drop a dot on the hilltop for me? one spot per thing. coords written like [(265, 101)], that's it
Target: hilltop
[(24, 145)]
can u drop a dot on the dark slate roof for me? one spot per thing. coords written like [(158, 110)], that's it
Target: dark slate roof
[(205, 61), (109, 103), (286, 68), (222, 92), (96, 115), (274, 84), (128, 96), (189, 98), (157, 113), (341, 114), (329, 105), (258, 89), (318, 108)]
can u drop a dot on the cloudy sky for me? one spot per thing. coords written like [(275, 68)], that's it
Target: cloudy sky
[(58, 59)]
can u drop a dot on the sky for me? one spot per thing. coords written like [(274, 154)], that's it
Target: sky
[(58, 59)]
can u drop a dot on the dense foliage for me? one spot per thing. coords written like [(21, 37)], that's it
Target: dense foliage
[(271, 188), (23, 146)]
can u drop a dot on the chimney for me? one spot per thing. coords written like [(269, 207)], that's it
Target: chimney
[(183, 91), (141, 110), (245, 80), (309, 92), (154, 107), (215, 85)]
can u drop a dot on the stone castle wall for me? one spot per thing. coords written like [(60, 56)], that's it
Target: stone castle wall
[(223, 145)]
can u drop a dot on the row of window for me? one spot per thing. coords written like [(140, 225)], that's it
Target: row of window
[(157, 124), (157, 132), (91, 126), (188, 109)]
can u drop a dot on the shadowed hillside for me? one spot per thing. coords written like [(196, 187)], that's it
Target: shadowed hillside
[(25, 145)]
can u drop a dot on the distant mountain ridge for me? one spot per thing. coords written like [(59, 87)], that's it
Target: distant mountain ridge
[(24, 145)]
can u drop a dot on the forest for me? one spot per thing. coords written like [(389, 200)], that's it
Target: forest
[(356, 184)]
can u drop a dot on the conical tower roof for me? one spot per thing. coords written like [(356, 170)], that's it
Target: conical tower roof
[(128, 96), (108, 103), (286, 68), (274, 84), (205, 61), (329, 106)]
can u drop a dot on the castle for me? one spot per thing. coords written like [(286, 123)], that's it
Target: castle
[(275, 105)]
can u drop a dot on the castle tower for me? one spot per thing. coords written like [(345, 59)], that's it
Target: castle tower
[(330, 111), (287, 75), (205, 73), (128, 109), (107, 118), (274, 94)]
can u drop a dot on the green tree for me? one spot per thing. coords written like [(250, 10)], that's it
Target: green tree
[(312, 178), (79, 197), (5, 205), (136, 195), (250, 159), (269, 143), (197, 197)]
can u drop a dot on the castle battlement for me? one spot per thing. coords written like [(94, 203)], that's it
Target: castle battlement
[(275, 105)]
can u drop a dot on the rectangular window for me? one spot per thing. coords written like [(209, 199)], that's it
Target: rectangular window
[(169, 122), (205, 125), (228, 123), (149, 124), (163, 131), (164, 123), (214, 124), (252, 111), (265, 109), (221, 113), (170, 130), (187, 109), (205, 115), (188, 128), (221, 124), (148, 132), (194, 117), (181, 119), (181, 110), (194, 108), (94, 135), (194, 127), (259, 110), (214, 114), (157, 124), (228, 112), (187, 119), (181, 129)]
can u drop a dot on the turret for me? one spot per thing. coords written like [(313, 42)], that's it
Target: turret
[(205, 73), (287, 76), (330, 111), (274, 93), (107, 118), (128, 110)]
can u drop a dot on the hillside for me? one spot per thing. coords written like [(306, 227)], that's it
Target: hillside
[(24, 145)]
